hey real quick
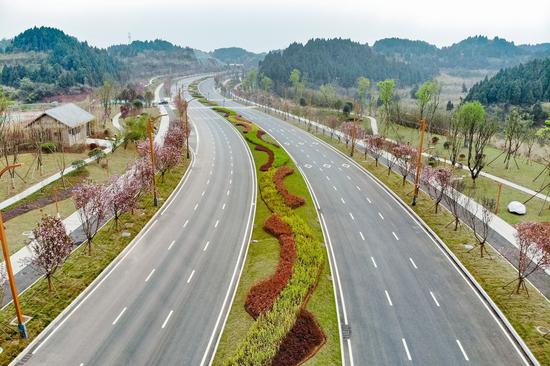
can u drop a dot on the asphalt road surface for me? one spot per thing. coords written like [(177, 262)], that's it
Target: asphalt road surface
[(402, 298), (165, 301)]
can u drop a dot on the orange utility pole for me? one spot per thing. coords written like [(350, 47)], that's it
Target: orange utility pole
[(152, 153), (20, 324), (419, 162)]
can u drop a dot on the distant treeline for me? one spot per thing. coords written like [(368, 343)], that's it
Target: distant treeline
[(339, 61), (524, 84)]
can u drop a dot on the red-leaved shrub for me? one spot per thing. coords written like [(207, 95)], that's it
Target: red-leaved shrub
[(291, 200), (260, 133), (261, 296), (270, 157)]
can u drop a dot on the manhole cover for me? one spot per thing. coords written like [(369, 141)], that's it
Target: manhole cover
[(543, 330), (346, 331)]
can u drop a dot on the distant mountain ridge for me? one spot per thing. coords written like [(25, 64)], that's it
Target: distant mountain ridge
[(237, 55)]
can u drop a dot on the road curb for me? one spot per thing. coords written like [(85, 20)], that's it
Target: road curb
[(22, 356)]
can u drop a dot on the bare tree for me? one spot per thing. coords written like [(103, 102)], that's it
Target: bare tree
[(454, 139), (452, 199), (478, 218), (406, 160), (374, 146), (438, 182), (514, 133)]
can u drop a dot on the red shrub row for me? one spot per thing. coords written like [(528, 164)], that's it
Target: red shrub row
[(291, 200), (270, 157), (301, 343), (260, 133), (262, 296)]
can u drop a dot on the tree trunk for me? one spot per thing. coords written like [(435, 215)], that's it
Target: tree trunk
[(456, 223), (50, 286)]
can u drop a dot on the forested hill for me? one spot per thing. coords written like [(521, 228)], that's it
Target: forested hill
[(524, 84), (237, 55), (56, 58), (340, 61), (477, 52), (148, 58)]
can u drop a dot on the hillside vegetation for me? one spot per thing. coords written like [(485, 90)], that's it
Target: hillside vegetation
[(524, 84)]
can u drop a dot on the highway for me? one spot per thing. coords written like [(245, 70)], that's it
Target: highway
[(402, 298), (165, 299)]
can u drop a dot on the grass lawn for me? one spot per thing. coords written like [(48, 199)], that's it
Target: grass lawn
[(261, 261), (78, 272), (118, 162), (492, 272)]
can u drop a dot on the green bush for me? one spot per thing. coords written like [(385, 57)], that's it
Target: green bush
[(48, 147)]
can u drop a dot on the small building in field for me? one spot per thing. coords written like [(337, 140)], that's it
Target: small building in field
[(67, 124)]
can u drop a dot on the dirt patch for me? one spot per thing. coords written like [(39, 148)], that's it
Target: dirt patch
[(301, 343), (291, 200), (262, 296), (270, 157)]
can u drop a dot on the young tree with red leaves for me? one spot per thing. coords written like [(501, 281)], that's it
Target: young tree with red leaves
[(438, 182), (142, 172), (175, 137), (91, 204), (406, 160), (452, 199), (51, 246), (533, 239), (352, 132), (375, 146), (123, 193)]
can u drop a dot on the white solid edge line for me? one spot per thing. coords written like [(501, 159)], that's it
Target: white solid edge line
[(119, 315), (462, 350), (167, 318), (236, 271), (406, 349)]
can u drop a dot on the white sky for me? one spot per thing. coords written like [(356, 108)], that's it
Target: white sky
[(265, 25)]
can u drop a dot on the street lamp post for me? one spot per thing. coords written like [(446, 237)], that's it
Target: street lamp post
[(150, 124), (20, 323)]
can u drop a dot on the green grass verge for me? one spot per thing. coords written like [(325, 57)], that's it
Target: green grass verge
[(248, 342), (492, 272), (79, 271)]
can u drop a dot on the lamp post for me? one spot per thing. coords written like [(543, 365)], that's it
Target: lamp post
[(150, 124), (419, 162), (20, 324)]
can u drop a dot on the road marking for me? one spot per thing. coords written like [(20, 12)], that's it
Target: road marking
[(208, 182), (202, 194), (368, 199), (462, 349), (334, 188), (406, 349), (167, 318), (347, 176), (216, 224), (414, 264), (191, 276), (395, 235), (119, 315), (186, 222), (375, 266), (172, 243), (362, 237), (388, 297), (351, 215), (435, 300), (358, 188), (382, 217), (328, 177), (231, 172), (195, 208), (223, 207), (206, 246), (230, 181), (228, 191), (341, 199), (210, 172), (150, 274)]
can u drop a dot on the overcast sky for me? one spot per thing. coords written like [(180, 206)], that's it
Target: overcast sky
[(262, 25)]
